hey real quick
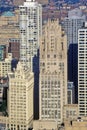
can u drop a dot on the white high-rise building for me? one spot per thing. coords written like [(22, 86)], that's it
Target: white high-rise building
[(72, 23), (53, 72), (82, 71), (20, 99), (30, 31)]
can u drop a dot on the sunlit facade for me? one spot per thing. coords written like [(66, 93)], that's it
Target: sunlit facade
[(53, 72)]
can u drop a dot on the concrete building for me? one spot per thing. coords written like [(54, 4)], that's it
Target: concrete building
[(53, 72), (70, 112), (30, 31), (82, 71), (9, 26), (51, 11), (20, 98), (14, 48), (79, 124), (45, 125), (9, 17), (71, 93), (72, 23), (5, 65), (19, 111)]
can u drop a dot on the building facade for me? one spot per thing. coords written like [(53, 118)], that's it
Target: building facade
[(14, 48), (76, 125), (53, 72), (5, 65), (3, 52), (9, 26), (71, 93), (45, 124), (70, 112), (30, 31), (82, 71), (72, 23), (20, 98)]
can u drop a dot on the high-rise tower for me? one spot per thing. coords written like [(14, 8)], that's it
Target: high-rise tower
[(72, 23), (20, 98), (30, 31), (53, 72), (82, 71)]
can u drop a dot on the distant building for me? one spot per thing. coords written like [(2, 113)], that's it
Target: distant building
[(14, 48), (72, 23), (71, 93), (5, 66), (82, 71), (3, 52), (43, 2), (53, 72), (50, 11), (9, 17), (9, 26), (20, 2)]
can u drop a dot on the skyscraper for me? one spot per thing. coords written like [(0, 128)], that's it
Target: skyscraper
[(72, 23), (53, 72), (82, 71), (30, 31), (20, 98)]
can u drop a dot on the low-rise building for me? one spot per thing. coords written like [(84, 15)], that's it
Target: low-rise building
[(79, 124), (70, 112), (44, 125)]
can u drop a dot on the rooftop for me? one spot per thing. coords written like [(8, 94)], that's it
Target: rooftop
[(8, 14)]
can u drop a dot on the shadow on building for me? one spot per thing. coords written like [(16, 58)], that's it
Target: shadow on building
[(36, 85), (73, 67), (14, 63)]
